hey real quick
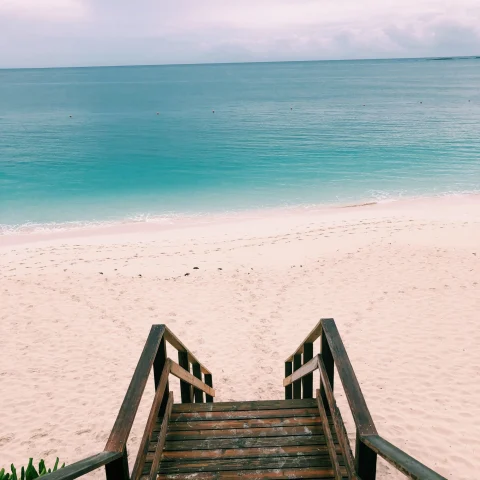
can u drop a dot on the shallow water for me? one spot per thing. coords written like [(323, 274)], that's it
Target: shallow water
[(86, 144)]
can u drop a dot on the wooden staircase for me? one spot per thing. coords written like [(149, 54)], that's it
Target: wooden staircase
[(302, 436), (251, 440)]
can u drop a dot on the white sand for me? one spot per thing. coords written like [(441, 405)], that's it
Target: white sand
[(400, 279)]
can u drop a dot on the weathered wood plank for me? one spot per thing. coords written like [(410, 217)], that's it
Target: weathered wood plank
[(400, 460), (161, 439), (291, 473), (328, 436), (175, 342), (246, 432), (311, 337), (243, 414), (305, 369), (123, 424), (298, 450), (238, 406), (247, 423), (84, 466), (338, 422), (151, 420), (358, 406), (182, 374), (244, 443), (187, 466)]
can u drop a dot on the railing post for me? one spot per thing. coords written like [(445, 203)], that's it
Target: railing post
[(209, 382), (118, 469), (297, 385), (328, 361), (365, 460), (307, 380), (288, 388), (158, 366), (197, 372), (185, 390)]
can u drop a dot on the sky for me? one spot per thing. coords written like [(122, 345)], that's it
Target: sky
[(49, 33)]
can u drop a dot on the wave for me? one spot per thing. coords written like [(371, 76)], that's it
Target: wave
[(372, 198)]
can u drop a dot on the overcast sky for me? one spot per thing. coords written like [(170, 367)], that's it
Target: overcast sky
[(36, 33)]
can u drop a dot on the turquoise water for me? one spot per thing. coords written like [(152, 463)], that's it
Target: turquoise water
[(281, 134)]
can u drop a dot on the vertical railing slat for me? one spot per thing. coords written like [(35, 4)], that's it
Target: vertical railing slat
[(327, 358), (307, 380), (158, 366), (297, 385), (209, 382), (288, 388), (365, 460), (118, 469), (197, 372), (185, 389)]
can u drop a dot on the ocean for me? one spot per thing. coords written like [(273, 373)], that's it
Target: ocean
[(82, 146)]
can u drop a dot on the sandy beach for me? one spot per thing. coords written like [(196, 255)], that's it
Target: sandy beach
[(401, 280)]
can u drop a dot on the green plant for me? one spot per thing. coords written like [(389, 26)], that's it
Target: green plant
[(29, 473)]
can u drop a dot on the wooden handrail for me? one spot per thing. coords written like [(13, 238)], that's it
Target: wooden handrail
[(114, 456), (152, 417), (182, 374), (368, 443), (311, 337), (175, 342), (337, 420), (399, 459), (329, 438), (161, 439), (361, 415), (305, 369), (123, 424), (84, 466)]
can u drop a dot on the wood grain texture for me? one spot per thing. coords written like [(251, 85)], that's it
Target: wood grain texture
[(337, 421), (242, 414), (356, 400), (161, 439), (311, 337), (328, 436), (400, 460), (251, 405), (84, 466), (175, 342), (305, 369), (151, 420), (182, 374), (245, 443)]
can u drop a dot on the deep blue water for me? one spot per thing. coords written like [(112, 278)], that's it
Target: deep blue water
[(281, 133)]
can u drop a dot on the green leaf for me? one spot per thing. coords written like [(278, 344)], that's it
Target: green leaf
[(56, 465), (30, 472)]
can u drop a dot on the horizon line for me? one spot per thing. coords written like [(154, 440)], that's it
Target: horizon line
[(447, 57)]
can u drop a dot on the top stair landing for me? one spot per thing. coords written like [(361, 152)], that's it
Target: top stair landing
[(251, 440)]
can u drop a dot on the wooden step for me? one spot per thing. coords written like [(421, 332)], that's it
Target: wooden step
[(251, 440)]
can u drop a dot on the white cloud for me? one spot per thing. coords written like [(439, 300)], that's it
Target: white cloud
[(44, 10), (170, 31)]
